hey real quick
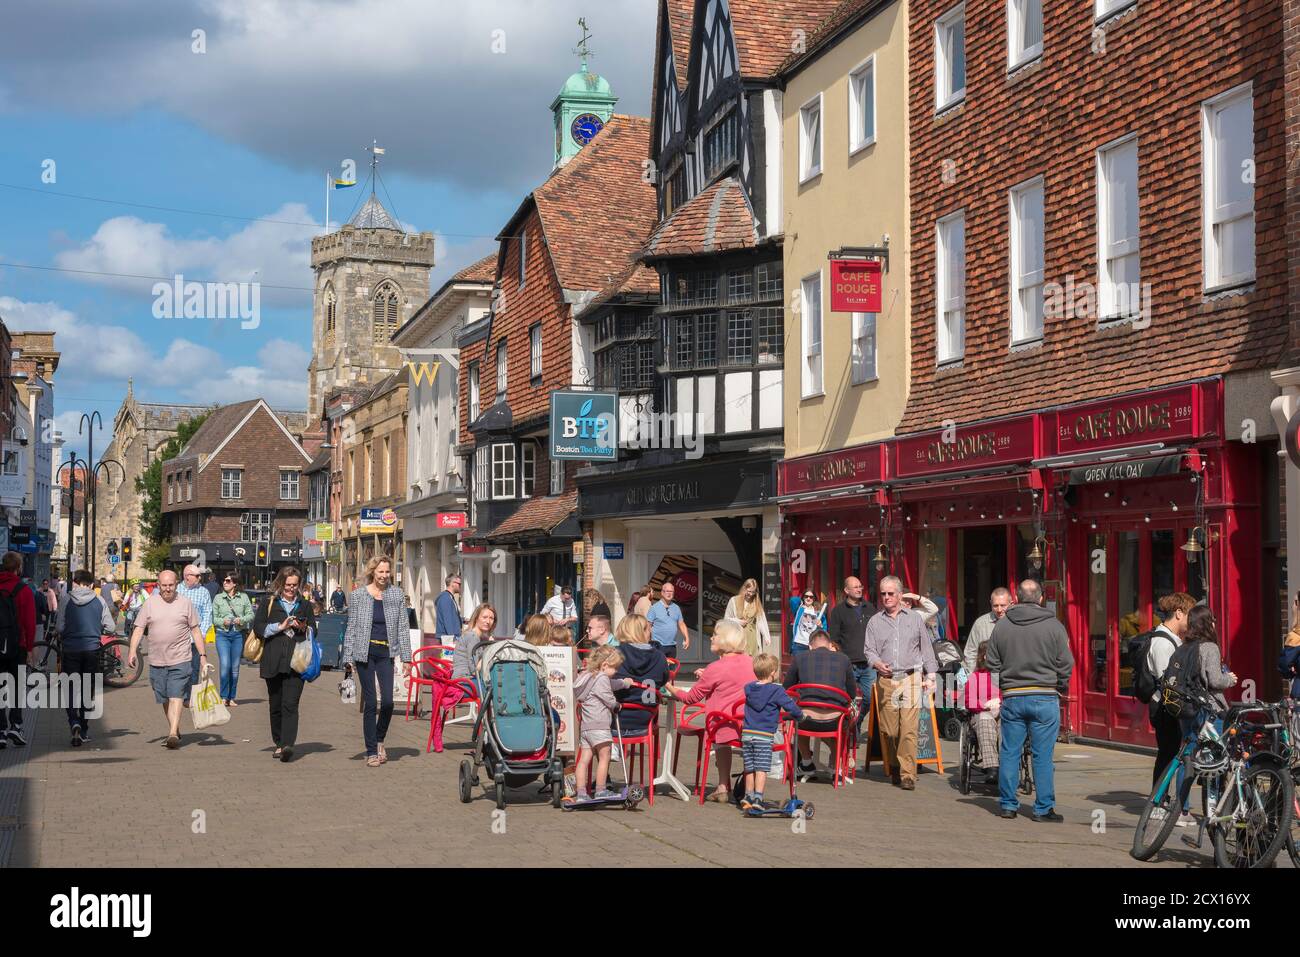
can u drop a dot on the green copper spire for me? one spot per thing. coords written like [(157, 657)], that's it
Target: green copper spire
[(582, 107)]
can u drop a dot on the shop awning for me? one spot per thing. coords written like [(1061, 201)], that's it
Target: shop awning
[(546, 516)]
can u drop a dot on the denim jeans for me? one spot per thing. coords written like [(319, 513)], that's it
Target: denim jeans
[(377, 713), (1191, 727), (230, 648), (1039, 717), (866, 677), (80, 663)]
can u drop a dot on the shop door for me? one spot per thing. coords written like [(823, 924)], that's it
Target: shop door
[(1128, 569)]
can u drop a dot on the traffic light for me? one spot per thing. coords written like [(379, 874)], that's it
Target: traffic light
[(112, 547), (126, 549), (263, 556)]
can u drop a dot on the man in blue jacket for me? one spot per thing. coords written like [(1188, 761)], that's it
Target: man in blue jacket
[(447, 609)]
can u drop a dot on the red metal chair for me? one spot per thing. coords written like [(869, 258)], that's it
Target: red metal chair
[(843, 732), (424, 662), (673, 667), (441, 683), (645, 745), (689, 722), (715, 722)]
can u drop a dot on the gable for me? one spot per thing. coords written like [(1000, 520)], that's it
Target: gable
[(259, 428)]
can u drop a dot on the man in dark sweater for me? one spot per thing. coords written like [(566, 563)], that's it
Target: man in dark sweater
[(847, 624), (1029, 650), (822, 665)]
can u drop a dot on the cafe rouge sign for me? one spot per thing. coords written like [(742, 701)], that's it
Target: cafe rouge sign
[(843, 469), (1162, 415), (856, 285), (961, 448)]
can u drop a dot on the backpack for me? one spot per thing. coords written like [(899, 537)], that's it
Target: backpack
[(10, 636), (1182, 691), (1145, 683)]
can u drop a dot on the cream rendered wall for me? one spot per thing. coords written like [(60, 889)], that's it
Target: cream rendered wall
[(853, 202)]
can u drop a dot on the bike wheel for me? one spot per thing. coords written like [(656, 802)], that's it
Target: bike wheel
[(45, 658), (1159, 816), (1259, 826), (963, 770), (113, 662), (1293, 837)]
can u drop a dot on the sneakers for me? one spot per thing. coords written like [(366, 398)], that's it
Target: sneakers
[(1050, 817), (15, 737), (76, 737), (604, 794), (1186, 820), (806, 771), (1159, 814)]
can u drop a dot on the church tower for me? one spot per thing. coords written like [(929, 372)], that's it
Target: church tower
[(371, 275), (581, 108)]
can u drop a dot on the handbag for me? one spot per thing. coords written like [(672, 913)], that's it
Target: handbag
[(253, 648)]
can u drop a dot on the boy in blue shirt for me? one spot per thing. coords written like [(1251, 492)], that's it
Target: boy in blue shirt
[(764, 701)]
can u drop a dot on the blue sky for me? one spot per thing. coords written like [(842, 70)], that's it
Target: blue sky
[(118, 98)]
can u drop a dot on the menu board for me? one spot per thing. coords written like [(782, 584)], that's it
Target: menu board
[(559, 686)]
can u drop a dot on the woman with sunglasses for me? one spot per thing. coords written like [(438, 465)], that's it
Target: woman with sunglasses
[(232, 616), (808, 618)]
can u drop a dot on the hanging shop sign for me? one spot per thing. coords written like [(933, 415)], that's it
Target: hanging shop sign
[(857, 285), (1161, 415), (452, 520), (966, 448), (864, 465), (1125, 471), (584, 426)]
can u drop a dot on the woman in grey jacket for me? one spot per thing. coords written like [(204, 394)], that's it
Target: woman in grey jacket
[(377, 632), (1217, 679)]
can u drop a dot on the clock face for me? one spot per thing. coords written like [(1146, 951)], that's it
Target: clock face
[(585, 127)]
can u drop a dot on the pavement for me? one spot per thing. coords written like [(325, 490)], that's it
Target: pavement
[(220, 800)]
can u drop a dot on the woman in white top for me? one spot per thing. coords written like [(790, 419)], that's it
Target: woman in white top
[(1165, 639), (748, 610)]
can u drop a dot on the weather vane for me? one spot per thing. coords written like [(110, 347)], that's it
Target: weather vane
[(582, 49)]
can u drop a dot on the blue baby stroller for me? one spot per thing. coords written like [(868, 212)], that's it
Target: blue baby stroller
[(514, 736)]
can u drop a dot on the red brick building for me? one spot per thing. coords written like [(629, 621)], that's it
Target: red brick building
[(237, 483), (1099, 285), (570, 238)]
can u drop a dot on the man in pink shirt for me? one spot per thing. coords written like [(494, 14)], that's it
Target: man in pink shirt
[(173, 626)]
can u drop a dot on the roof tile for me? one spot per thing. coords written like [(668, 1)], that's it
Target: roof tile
[(716, 220)]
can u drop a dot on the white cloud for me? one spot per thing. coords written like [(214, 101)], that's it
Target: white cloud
[(280, 378)]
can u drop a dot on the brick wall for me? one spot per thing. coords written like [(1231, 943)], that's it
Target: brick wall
[(1291, 69), (1160, 61)]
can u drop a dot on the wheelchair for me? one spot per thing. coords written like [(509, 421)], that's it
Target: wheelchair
[(970, 757)]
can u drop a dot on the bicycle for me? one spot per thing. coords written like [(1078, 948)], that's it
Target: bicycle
[(113, 665)]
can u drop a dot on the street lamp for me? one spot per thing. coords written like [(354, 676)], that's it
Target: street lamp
[(71, 465), (101, 464), (87, 422)]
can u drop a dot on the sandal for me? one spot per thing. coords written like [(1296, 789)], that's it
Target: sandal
[(383, 755), (720, 796), (276, 753), (373, 761)]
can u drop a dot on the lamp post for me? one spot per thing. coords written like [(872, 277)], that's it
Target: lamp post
[(101, 464), (87, 422), (71, 465)]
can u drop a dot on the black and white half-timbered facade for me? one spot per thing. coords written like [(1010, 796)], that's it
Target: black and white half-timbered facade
[(705, 474)]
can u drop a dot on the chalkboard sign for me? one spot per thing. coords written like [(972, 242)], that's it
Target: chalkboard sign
[(772, 585), (928, 749)]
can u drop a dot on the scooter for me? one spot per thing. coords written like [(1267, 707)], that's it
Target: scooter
[(793, 807), (628, 797)]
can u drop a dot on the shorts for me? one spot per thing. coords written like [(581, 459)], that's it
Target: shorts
[(169, 681), (756, 749), (819, 724), (595, 736)]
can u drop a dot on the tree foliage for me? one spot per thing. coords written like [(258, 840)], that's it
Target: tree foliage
[(153, 528), (155, 557)]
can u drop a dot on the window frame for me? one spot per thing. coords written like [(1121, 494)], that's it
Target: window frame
[(1015, 28), (1014, 245), (535, 351), (508, 484), (808, 388), (292, 479), (527, 469), (523, 259), (1213, 279), (944, 97), (475, 397), (942, 295), (503, 371), (807, 172), (1105, 312), (557, 476), (232, 485), (1105, 9), (857, 375), (858, 141)]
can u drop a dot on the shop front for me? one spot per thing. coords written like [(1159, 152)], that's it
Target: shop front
[(705, 527), (1109, 504)]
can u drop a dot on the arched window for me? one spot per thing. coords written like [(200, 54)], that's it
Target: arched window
[(384, 313), (331, 313)]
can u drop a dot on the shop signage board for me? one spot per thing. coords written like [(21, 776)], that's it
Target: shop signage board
[(559, 685), (857, 285), (1161, 415), (966, 448), (324, 532), (584, 426), (377, 521), (697, 488), (864, 465), (613, 551), (452, 520), (1125, 471), (20, 535)]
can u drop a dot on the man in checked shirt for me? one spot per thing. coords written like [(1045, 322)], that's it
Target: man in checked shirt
[(898, 647)]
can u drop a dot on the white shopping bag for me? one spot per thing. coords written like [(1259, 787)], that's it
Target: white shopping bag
[(206, 706)]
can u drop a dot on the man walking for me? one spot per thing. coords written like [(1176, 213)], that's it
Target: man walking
[(447, 620), (666, 622), (899, 648), (81, 619), (999, 602), (202, 602), (847, 625), (339, 601), (174, 635), (1030, 651), (17, 638)]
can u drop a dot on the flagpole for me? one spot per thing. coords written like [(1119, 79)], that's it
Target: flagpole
[(327, 203)]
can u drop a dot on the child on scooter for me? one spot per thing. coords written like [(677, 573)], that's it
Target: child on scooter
[(764, 701), (594, 692)]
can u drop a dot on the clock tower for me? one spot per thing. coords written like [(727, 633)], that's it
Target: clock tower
[(582, 107)]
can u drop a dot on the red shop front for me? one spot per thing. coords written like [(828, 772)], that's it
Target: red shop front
[(1109, 504)]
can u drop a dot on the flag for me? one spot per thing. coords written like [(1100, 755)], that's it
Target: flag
[(378, 151), (344, 183)]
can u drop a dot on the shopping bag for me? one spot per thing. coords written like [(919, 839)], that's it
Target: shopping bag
[(306, 656), (206, 706), (212, 635)]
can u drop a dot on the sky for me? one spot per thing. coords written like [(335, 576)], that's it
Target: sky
[(134, 148)]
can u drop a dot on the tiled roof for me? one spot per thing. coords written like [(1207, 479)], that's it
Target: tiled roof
[(597, 209), (637, 279), (717, 219), (825, 32), (680, 13), (537, 516), (220, 422), (485, 270), (765, 30)]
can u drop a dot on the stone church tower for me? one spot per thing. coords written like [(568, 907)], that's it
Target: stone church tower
[(370, 277)]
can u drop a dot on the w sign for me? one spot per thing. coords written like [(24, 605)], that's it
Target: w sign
[(584, 426)]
